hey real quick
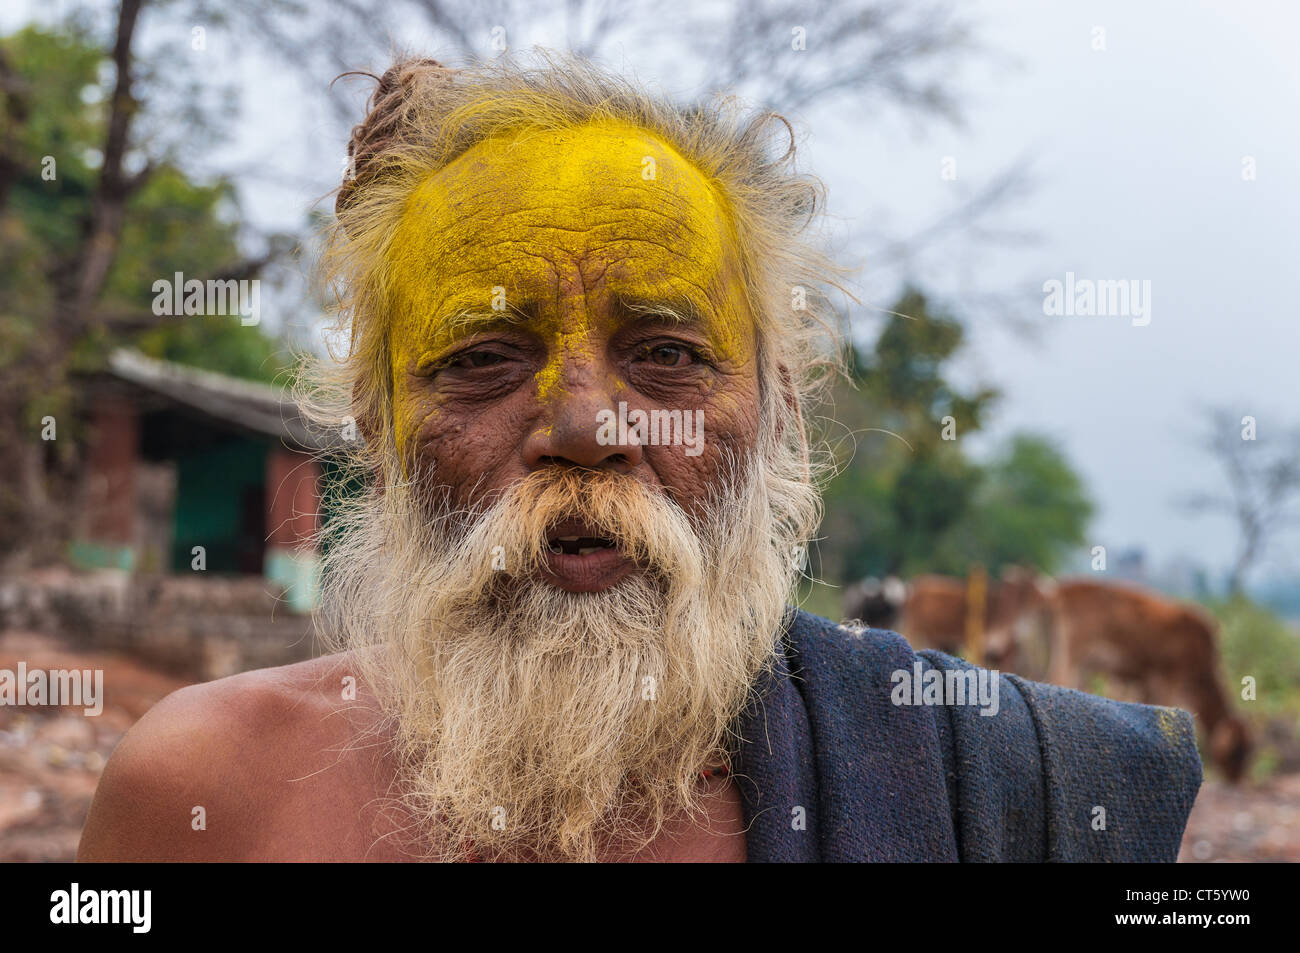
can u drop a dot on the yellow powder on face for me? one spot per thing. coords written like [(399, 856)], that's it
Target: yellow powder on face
[(556, 226)]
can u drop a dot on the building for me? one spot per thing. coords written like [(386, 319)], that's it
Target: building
[(194, 471)]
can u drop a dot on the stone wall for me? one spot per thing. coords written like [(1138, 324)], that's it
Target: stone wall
[(202, 627)]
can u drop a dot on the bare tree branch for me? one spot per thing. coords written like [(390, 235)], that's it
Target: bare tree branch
[(1263, 481)]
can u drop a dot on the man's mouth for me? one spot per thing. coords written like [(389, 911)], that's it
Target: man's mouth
[(582, 560), (578, 545)]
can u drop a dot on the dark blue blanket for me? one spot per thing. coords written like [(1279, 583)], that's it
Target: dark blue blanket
[(831, 769)]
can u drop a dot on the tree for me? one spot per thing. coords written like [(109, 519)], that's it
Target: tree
[(874, 53), (1263, 483), (1029, 509), (906, 497), (89, 222), (902, 484)]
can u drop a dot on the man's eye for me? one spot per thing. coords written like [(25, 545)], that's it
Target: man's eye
[(474, 359), (669, 355)]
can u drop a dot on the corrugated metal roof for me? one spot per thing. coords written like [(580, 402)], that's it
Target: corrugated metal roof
[(260, 408)]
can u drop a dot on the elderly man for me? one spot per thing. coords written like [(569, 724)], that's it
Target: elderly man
[(583, 330)]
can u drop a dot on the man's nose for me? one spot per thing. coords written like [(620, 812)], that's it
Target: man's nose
[(580, 427)]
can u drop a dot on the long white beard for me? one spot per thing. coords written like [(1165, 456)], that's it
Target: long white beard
[(529, 720)]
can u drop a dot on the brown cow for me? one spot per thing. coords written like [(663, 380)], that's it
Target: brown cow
[(936, 610), (934, 613), (1162, 652)]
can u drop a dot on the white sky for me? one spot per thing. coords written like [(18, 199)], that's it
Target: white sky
[(1137, 156)]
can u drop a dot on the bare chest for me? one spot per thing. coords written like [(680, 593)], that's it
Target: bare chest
[(345, 811)]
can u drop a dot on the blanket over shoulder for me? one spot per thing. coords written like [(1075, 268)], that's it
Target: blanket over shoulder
[(831, 768)]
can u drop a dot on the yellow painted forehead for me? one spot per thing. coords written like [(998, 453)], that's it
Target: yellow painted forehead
[(534, 214), (578, 164)]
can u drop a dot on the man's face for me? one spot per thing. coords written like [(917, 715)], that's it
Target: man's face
[(580, 690), (541, 279)]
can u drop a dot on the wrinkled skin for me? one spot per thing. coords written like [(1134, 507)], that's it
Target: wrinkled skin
[(567, 224)]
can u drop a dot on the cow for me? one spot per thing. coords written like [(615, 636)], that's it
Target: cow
[(1159, 651), (934, 612)]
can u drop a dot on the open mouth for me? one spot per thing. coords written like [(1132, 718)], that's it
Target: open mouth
[(578, 545), (581, 559), (577, 537)]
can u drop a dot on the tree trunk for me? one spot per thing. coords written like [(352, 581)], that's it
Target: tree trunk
[(78, 280)]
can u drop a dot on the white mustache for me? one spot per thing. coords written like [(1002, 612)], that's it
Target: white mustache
[(643, 522)]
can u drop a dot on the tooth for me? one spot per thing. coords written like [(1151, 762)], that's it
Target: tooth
[(567, 539), (585, 550)]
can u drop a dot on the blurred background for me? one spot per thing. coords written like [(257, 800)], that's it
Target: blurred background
[(1103, 493)]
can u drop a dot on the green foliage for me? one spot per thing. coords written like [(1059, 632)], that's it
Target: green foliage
[(1029, 509), (905, 499), (1256, 642), (904, 375), (219, 344), (59, 68), (173, 224)]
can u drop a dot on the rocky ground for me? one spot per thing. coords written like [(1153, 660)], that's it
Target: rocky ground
[(50, 761), (51, 758), (1249, 822)]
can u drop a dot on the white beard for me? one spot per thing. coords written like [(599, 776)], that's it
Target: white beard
[(530, 720)]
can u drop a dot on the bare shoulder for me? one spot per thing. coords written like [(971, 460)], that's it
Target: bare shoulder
[(216, 771)]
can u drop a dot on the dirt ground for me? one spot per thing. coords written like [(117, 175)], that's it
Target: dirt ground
[(1259, 822), (51, 758)]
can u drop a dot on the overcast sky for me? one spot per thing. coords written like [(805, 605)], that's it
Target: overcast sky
[(1137, 156)]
